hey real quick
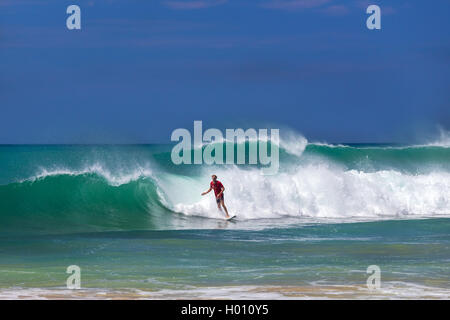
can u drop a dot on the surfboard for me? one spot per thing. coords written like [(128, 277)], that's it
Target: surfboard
[(232, 217)]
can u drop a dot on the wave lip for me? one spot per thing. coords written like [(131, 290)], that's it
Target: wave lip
[(98, 169)]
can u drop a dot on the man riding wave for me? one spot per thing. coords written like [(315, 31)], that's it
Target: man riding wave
[(218, 188)]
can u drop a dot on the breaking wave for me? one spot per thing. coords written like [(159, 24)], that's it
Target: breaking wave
[(315, 181)]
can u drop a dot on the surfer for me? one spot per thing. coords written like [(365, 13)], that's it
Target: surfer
[(218, 191)]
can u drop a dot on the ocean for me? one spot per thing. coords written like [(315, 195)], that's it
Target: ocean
[(138, 228)]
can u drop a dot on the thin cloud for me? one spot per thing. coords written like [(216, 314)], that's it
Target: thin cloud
[(294, 4), (10, 3), (336, 10), (189, 5), (384, 9)]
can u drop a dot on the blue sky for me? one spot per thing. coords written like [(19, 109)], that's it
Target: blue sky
[(139, 69)]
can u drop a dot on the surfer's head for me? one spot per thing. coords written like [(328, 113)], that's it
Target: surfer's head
[(214, 177)]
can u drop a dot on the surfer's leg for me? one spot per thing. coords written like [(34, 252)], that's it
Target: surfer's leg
[(224, 207), (218, 204)]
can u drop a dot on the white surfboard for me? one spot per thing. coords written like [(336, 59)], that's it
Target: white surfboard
[(231, 217)]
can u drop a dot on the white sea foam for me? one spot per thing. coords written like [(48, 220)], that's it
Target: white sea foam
[(388, 290), (321, 191)]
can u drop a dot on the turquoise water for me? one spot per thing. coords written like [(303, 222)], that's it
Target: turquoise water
[(130, 219), (413, 250)]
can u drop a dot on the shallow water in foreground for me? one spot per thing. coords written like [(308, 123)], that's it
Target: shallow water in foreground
[(296, 261)]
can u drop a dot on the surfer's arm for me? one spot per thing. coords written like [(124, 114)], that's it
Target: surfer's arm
[(206, 191)]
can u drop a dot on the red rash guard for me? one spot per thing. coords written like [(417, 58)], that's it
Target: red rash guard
[(217, 187)]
